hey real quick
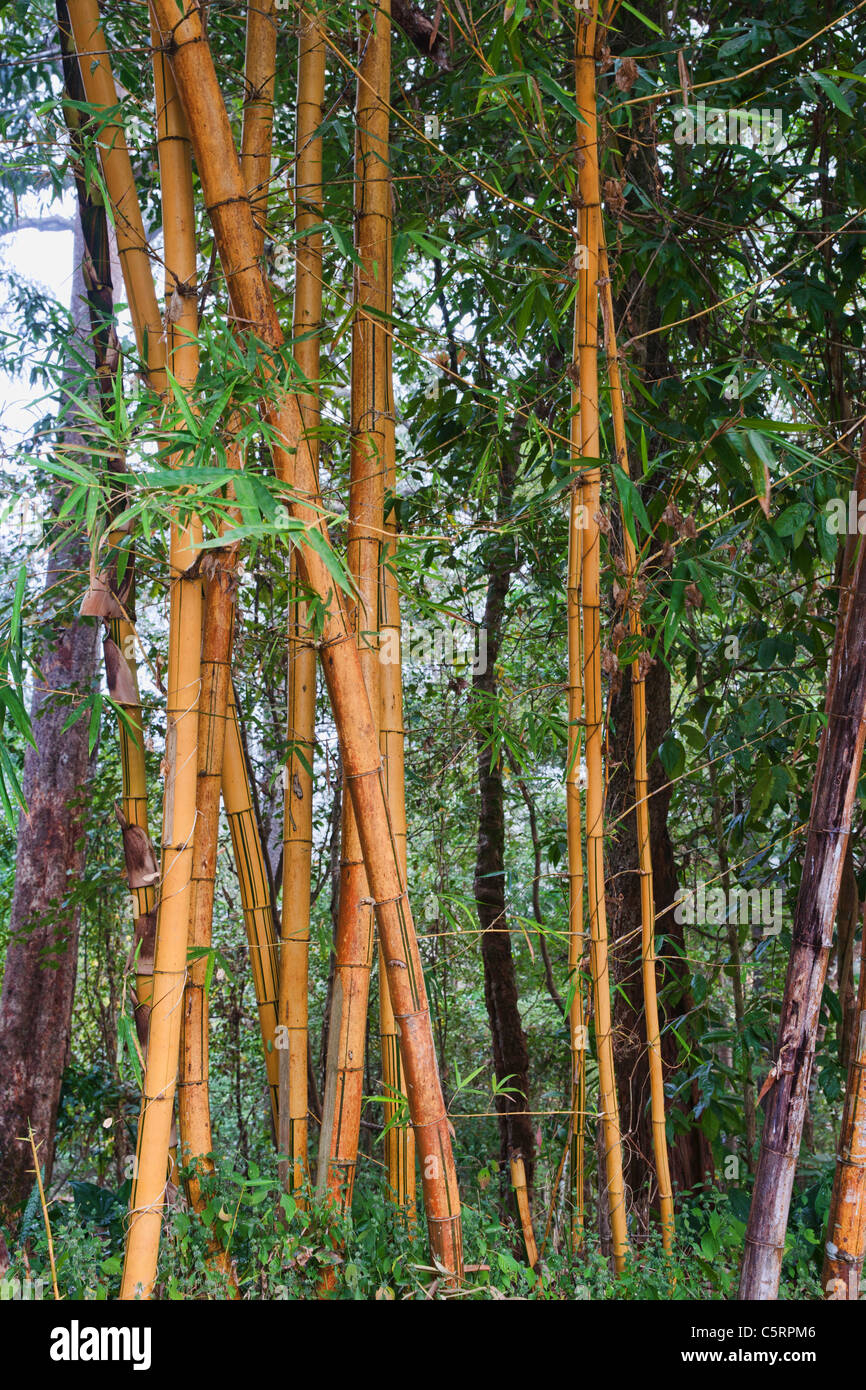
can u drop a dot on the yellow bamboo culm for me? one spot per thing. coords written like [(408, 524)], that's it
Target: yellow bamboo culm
[(586, 357), (518, 1182), (99, 86), (256, 136), (252, 304), (641, 782), (249, 857), (576, 1015), (576, 942), (399, 1138), (341, 1114), (301, 694), (146, 1201)]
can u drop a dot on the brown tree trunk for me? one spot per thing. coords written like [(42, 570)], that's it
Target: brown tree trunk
[(510, 1054), (835, 788), (41, 961)]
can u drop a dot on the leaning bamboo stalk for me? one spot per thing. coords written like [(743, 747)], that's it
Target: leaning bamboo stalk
[(587, 364), (256, 903), (146, 1200), (298, 797), (846, 1223), (518, 1182), (112, 597), (834, 791), (219, 571), (641, 778), (341, 1119), (229, 211), (399, 1139), (256, 136), (98, 82)]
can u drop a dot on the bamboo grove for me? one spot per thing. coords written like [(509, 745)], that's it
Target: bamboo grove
[(394, 330)]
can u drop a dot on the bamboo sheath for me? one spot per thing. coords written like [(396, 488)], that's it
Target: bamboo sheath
[(301, 693), (587, 361), (846, 1222), (229, 210), (641, 780), (372, 444)]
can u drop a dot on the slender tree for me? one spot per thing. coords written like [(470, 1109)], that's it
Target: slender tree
[(42, 955), (834, 790)]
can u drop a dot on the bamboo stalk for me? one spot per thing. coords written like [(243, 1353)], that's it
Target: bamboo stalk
[(372, 448), (518, 1182), (256, 136), (256, 903), (220, 584), (252, 305), (641, 780), (587, 362), (846, 1221), (298, 800), (146, 1200), (399, 1139), (576, 1017), (98, 81)]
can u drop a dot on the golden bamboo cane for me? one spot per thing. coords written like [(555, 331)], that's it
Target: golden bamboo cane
[(399, 1139), (249, 857), (587, 361), (252, 304), (341, 1119), (146, 1201), (641, 781), (298, 800), (256, 136)]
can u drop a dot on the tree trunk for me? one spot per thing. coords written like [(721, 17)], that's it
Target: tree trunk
[(41, 961), (510, 1054), (833, 796)]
